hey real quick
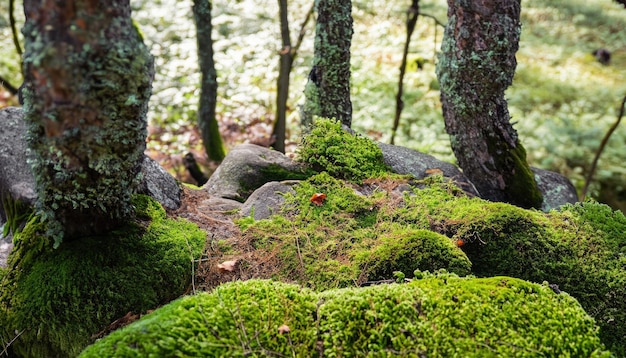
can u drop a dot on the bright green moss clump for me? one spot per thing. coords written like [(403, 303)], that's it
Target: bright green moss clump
[(437, 316), (59, 298), (343, 155)]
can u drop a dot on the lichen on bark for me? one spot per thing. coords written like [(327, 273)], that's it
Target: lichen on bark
[(328, 91), (88, 81), (476, 65)]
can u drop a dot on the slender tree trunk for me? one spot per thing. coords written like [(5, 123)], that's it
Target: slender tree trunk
[(88, 82), (207, 121), (476, 65), (411, 20), (282, 94), (328, 90)]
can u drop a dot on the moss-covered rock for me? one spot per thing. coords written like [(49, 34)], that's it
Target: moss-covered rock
[(365, 233), (346, 240), (437, 316), (343, 155), (56, 299)]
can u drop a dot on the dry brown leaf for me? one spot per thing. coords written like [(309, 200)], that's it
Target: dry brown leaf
[(318, 198), (284, 329), (227, 266)]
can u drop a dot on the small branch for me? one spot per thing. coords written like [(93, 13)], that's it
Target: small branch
[(302, 33), (4, 83), (601, 149), (16, 41), (437, 21)]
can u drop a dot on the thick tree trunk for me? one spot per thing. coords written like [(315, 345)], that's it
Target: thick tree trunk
[(207, 122), (476, 65), (328, 90), (88, 82)]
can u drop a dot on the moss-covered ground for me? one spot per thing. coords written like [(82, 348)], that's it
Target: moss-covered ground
[(366, 232), (435, 316), (53, 302)]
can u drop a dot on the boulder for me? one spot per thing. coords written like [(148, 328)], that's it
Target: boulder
[(556, 189), (247, 167), (403, 160), (267, 200)]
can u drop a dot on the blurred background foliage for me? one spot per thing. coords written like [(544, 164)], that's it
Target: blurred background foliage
[(562, 99)]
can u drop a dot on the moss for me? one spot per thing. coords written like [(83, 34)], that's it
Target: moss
[(17, 213), (343, 155), (60, 298), (346, 240), (441, 315), (580, 249)]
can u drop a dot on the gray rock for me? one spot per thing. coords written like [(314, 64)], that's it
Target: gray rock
[(247, 167), (267, 199), (556, 189), (403, 160), (159, 184), (16, 179)]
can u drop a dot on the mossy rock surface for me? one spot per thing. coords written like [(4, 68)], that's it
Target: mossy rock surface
[(58, 298), (581, 248), (436, 316), (348, 239)]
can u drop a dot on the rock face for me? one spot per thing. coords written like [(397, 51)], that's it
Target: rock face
[(16, 179), (403, 160), (247, 167), (556, 189), (267, 200)]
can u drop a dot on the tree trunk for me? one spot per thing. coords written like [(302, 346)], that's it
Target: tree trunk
[(476, 65), (282, 94), (88, 82), (328, 90), (207, 122)]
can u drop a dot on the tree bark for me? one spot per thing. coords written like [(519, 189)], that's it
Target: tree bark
[(328, 90), (88, 80), (207, 122), (476, 65), (282, 93)]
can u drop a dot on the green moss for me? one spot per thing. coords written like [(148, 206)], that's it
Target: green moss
[(60, 298), (581, 249), (17, 213), (436, 316), (348, 239), (343, 155)]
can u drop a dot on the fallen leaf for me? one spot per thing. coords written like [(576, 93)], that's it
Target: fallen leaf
[(284, 329), (434, 171), (227, 266), (318, 199), (460, 242)]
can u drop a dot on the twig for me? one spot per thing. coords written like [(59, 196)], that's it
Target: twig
[(601, 149), (5, 350), (12, 89), (13, 27)]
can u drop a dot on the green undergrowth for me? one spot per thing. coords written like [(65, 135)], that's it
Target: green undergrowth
[(327, 147), (436, 316), (367, 232), (348, 239), (55, 300)]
